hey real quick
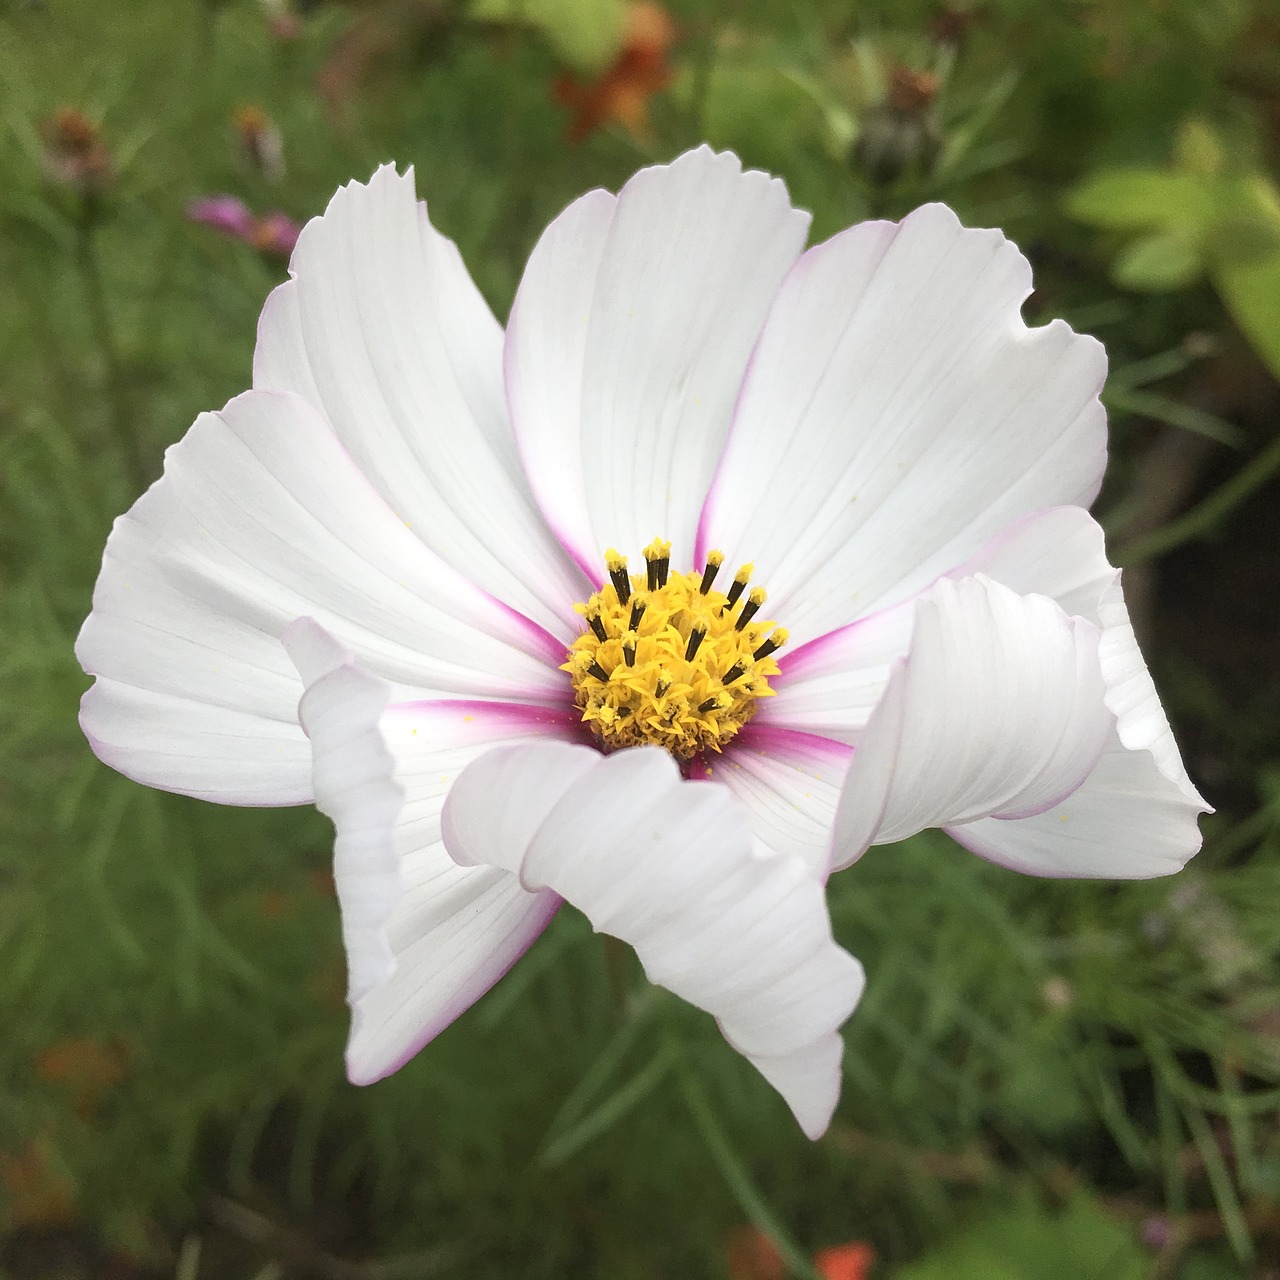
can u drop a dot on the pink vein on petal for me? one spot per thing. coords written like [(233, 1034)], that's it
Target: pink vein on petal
[(767, 737)]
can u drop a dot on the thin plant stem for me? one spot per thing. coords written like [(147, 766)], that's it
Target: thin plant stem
[(100, 322), (738, 1180), (704, 66), (1202, 519)]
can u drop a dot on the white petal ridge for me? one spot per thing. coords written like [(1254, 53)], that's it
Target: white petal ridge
[(383, 332), (668, 866), (627, 344), (1137, 813), (261, 517), (1134, 816), (896, 414), (424, 937), (997, 711)]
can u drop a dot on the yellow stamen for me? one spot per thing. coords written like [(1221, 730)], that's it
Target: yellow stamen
[(668, 660)]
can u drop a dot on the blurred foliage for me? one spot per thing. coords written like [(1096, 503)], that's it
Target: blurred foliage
[(1203, 215), (1026, 1243), (1044, 1078)]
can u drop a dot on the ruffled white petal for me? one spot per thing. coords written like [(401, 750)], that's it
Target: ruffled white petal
[(1133, 816), (999, 710), (669, 867), (1127, 821), (897, 413), (789, 784), (261, 516), (425, 938), (355, 788), (627, 343), (382, 330), (1136, 814), (831, 684)]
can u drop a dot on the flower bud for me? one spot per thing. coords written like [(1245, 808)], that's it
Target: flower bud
[(901, 134), (75, 154)]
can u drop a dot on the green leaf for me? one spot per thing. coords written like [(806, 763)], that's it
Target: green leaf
[(1251, 291), (1157, 263), (1032, 1243), (1136, 199), (1198, 149), (585, 34), (760, 109), (1248, 227)]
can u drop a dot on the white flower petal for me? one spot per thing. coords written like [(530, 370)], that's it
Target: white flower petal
[(627, 344), (1131, 695), (261, 516), (1127, 821), (425, 938), (1060, 553), (896, 414), (383, 331), (1136, 815), (1131, 817), (669, 867), (831, 684), (789, 783), (998, 710), (355, 789)]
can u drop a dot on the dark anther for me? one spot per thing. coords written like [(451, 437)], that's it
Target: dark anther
[(711, 704), (733, 673), (696, 637), (709, 575), (749, 611), (638, 607), (596, 623), (769, 646), (629, 651), (664, 567), (598, 671), (621, 583), (735, 590)]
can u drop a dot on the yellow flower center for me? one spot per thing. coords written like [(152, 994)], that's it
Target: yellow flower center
[(667, 659)]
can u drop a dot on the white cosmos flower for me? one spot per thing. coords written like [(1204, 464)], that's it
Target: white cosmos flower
[(413, 516)]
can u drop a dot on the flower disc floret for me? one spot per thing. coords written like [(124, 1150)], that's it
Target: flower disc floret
[(667, 660)]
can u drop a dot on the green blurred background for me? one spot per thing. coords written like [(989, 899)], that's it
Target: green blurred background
[(1044, 1079)]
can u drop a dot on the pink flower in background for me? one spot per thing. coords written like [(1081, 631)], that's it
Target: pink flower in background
[(275, 233), (225, 213), (474, 593)]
